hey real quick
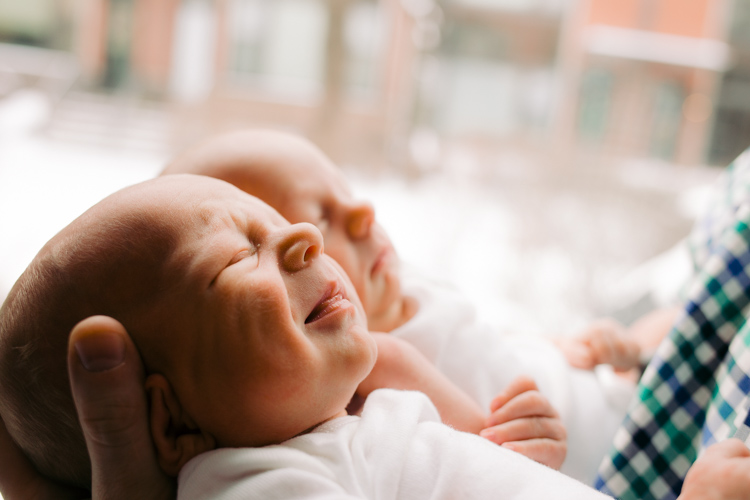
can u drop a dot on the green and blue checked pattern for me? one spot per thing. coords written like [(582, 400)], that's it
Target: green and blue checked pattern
[(697, 385), (731, 402)]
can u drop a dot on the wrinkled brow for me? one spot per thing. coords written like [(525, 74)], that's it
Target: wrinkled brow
[(214, 215)]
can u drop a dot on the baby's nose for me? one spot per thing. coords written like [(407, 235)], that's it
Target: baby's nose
[(360, 220), (300, 245)]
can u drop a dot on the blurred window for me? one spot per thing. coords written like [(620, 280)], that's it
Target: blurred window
[(467, 39), (731, 131), (595, 98), (120, 25), (520, 5), (492, 73), (278, 47), (365, 31), (668, 100), (192, 69), (41, 23), (740, 28), (480, 98)]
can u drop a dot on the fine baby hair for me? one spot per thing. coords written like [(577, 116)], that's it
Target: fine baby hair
[(70, 279)]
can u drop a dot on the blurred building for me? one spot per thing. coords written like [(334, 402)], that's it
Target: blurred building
[(401, 81), (335, 70), (622, 78), (648, 78)]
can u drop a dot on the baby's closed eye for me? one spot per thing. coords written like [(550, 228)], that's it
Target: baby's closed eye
[(242, 254), (238, 257)]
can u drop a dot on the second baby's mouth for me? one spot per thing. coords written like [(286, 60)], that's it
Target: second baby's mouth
[(332, 299), (382, 260)]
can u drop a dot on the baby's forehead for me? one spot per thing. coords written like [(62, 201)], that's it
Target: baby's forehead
[(173, 210), (195, 200), (154, 213), (238, 210), (304, 183)]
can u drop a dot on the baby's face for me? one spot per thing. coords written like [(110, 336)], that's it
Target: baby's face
[(270, 338), (304, 186)]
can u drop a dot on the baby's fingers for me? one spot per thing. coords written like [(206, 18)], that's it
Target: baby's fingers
[(545, 451), (527, 404), (615, 348), (519, 385), (525, 429), (577, 352)]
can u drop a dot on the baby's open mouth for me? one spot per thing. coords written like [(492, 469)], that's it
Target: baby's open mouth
[(331, 301)]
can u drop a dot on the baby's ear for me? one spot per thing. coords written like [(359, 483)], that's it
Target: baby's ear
[(176, 437)]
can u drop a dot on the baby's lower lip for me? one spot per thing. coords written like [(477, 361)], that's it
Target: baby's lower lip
[(333, 300), (327, 307)]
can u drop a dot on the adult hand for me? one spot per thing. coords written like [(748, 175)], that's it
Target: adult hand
[(106, 377), (721, 473), (524, 421)]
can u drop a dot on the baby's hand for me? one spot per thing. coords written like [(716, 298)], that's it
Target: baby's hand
[(605, 341), (721, 473), (524, 421)]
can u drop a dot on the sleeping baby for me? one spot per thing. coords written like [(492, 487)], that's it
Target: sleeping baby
[(298, 180), (254, 342)]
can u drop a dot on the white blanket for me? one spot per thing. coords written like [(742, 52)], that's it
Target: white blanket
[(397, 449)]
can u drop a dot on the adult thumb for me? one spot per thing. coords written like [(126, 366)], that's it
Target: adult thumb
[(106, 378)]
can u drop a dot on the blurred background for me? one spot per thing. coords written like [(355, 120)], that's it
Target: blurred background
[(546, 156)]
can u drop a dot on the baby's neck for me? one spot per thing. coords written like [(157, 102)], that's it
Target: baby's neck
[(342, 413)]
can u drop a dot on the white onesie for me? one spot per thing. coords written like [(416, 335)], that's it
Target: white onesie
[(396, 450), (482, 361)]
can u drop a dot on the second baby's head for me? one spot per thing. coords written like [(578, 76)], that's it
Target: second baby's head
[(297, 179)]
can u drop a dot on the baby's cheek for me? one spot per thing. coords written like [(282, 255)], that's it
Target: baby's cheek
[(361, 354)]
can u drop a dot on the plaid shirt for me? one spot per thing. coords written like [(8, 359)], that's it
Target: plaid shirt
[(697, 385)]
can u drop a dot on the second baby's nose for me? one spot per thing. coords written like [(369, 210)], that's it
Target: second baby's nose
[(360, 219)]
